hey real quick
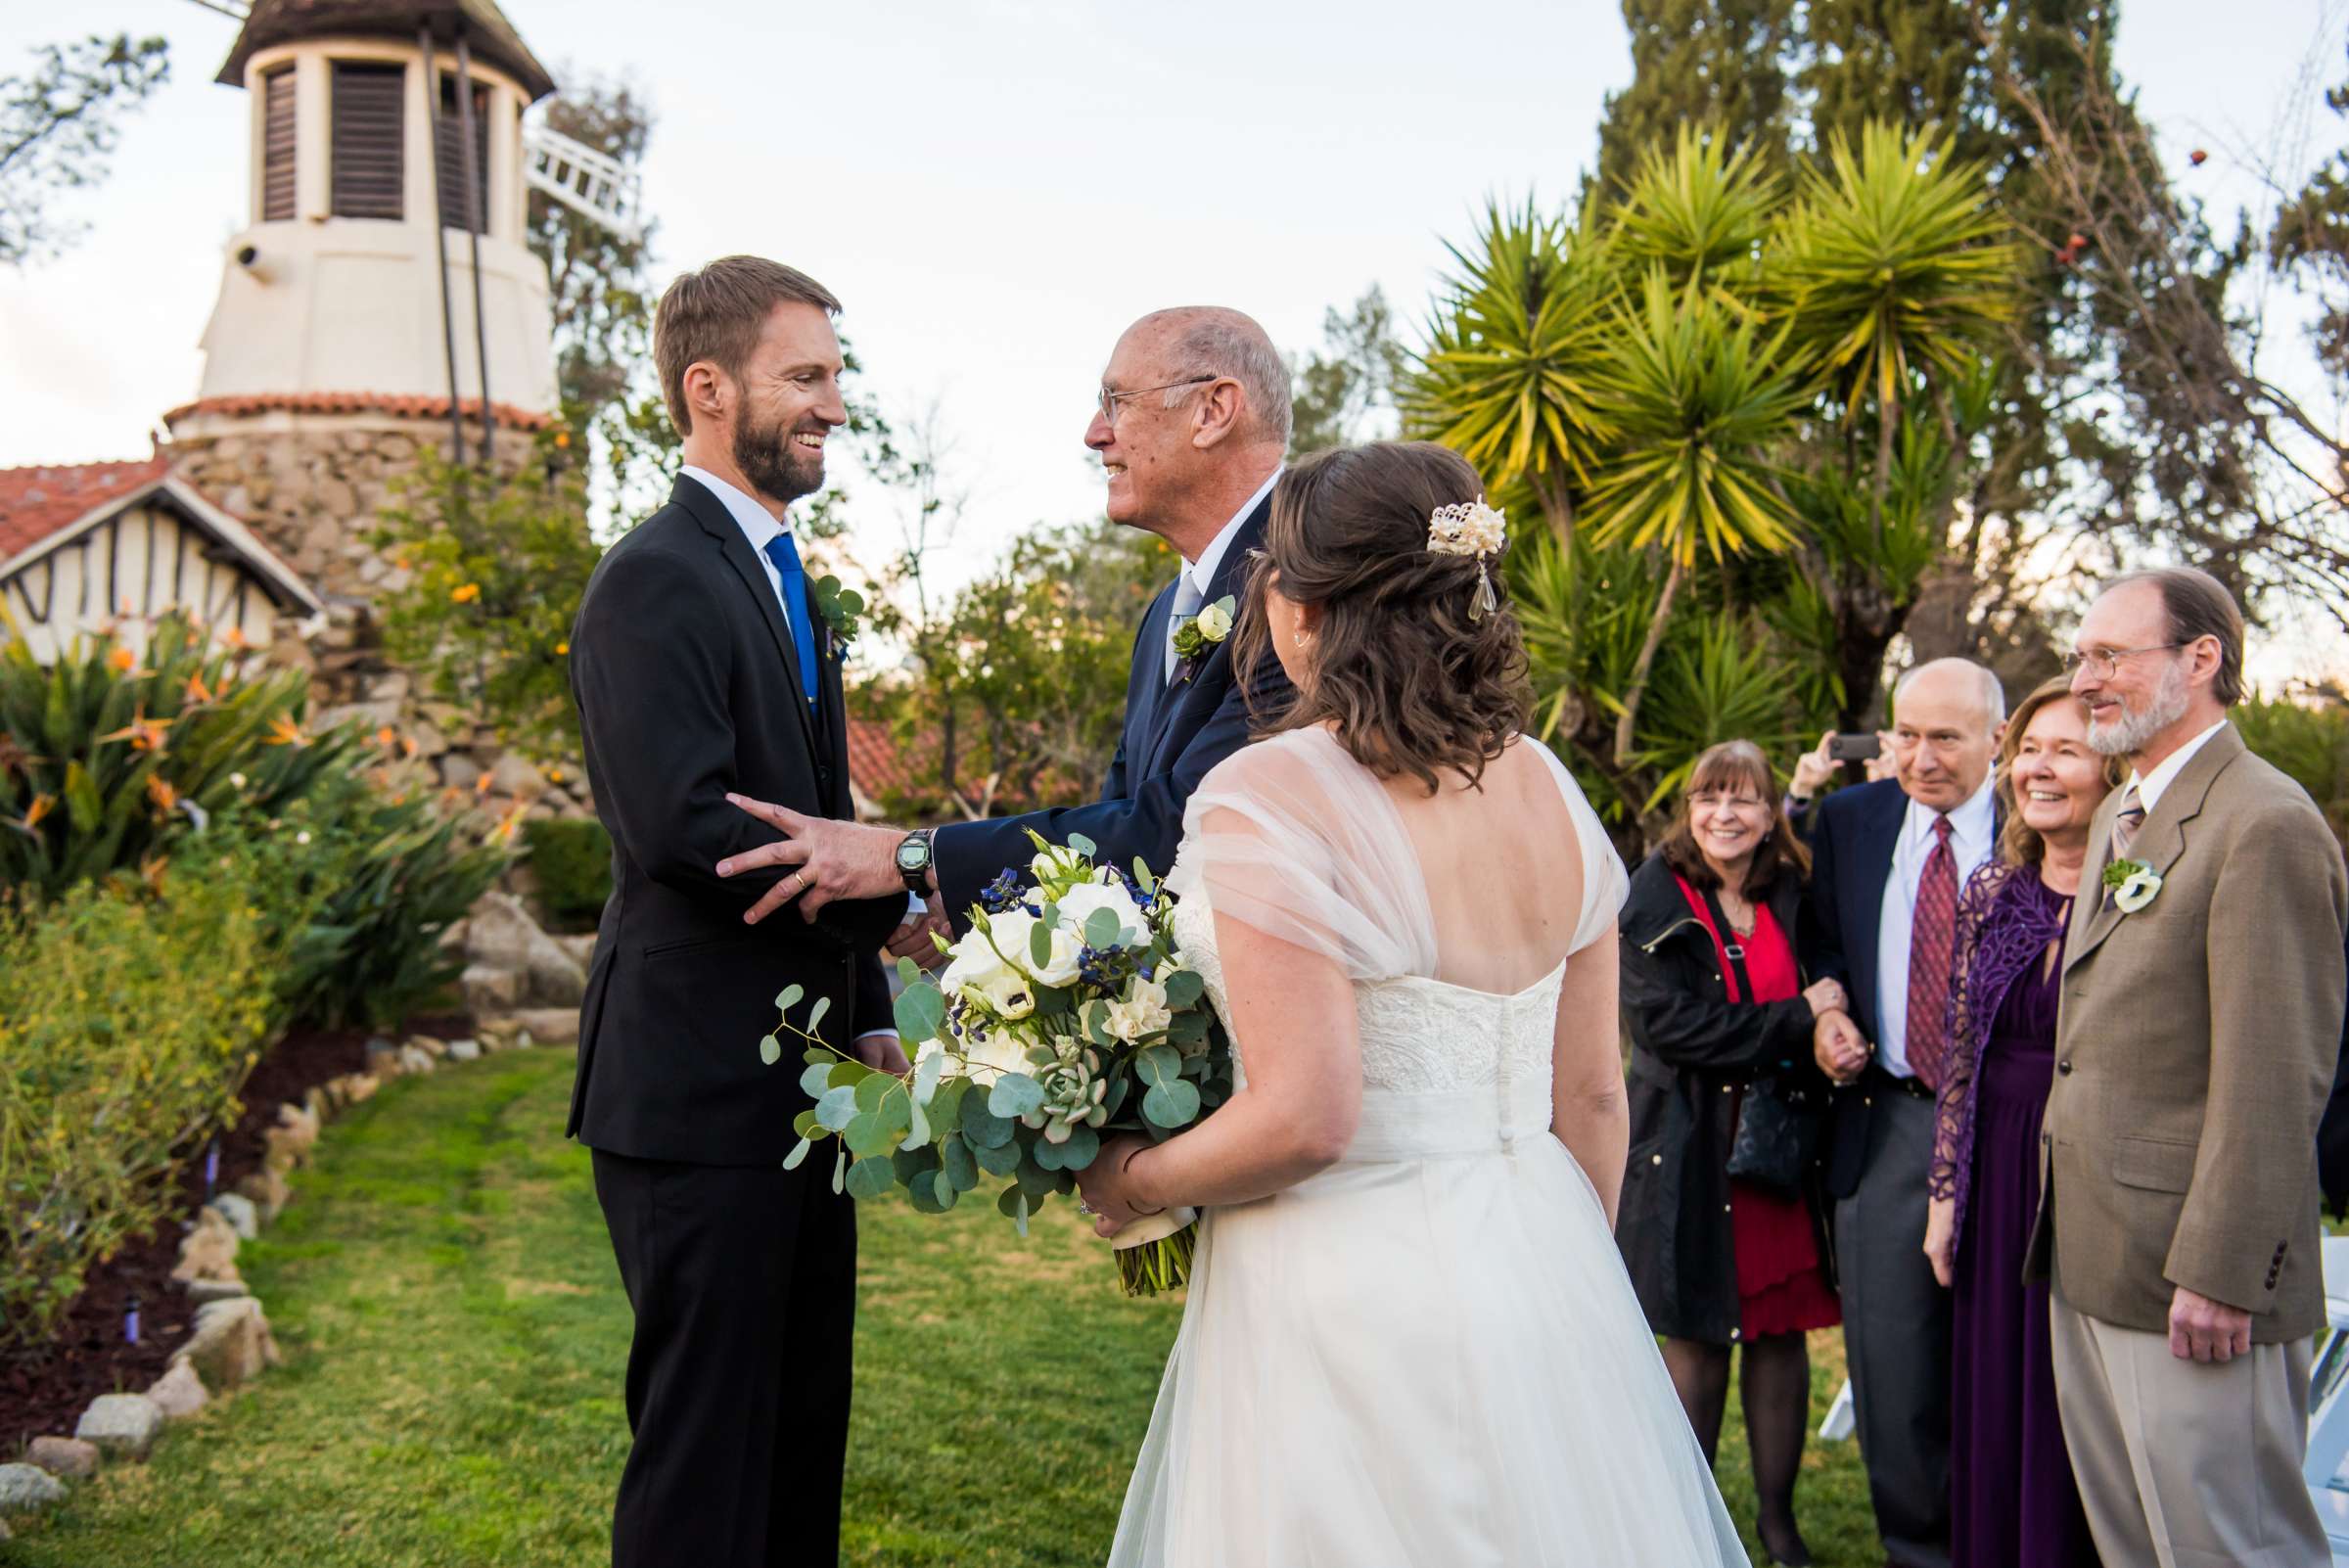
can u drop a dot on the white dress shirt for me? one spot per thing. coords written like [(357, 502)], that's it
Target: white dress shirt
[(757, 525), (1202, 572), (1973, 832), (2150, 786)]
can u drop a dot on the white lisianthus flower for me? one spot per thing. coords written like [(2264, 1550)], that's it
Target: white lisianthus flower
[(1008, 995), (1140, 1013), (2136, 890), (1215, 622), (1056, 862)]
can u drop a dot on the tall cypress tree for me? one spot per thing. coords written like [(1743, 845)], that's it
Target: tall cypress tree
[(1721, 62)]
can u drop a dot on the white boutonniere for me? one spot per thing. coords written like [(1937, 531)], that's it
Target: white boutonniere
[(1196, 636), (2131, 884)]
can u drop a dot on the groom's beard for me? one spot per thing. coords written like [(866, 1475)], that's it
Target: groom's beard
[(777, 467)]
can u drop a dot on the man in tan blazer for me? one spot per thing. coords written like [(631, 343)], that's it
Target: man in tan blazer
[(2201, 1023)]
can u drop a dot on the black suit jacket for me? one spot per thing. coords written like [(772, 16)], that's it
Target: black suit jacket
[(1853, 833), (688, 687), (1173, 735)]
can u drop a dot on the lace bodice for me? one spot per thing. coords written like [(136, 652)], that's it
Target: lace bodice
[(1440, 1062)]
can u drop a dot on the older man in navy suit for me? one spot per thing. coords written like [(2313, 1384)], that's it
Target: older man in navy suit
[(1191, 426), (1888, 861)]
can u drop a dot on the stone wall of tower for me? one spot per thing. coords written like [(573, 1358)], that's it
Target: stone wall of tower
[(313, 488)]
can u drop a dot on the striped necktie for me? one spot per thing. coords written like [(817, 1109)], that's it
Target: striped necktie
[(786, 557), (2131, 817), (1189, 599), (1932, 948)]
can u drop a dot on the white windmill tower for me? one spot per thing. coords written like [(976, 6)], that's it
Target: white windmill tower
[(382, 297)]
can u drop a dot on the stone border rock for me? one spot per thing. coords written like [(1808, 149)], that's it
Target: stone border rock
[(229, 1342)]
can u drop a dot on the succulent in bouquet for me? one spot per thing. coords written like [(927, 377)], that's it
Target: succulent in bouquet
[(1064, 1013)]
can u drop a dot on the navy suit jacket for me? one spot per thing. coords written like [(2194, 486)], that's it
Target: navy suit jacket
[(1173, 735)]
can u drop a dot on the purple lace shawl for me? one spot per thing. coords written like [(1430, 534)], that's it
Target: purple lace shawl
[(2006, 920)]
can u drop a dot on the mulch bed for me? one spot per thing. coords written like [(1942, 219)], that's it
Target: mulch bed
[(45, 1390)]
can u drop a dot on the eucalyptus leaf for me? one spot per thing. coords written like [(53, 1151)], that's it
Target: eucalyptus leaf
[(920, 1012), (982, 1127), (925, 1077), (1082, 845), (1142, 878), (1014, 1205), (837, 1108), (788, 997), (908, 971), (1048, 1154), (1033, 1179), (799, 1152), (805, 1124), (872, 1088), (849, 1073), (1014, 1095), (840, 1168), (1171, 1104), (1083, 1147), (1039, 945), (815, 1014), (946, 1106), (770, 1049), (866, 1135), (869, 1179), (1000, 1159), (1185, 988), (1158, 1064), (955, 1160), (1102, 928), (816, 1079), (917, 1128), (944, 1189)]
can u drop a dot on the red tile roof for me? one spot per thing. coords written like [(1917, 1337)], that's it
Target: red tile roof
[(37, 503), (874, 761), (357, 403)]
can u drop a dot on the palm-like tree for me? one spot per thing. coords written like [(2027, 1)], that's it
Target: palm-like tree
[(1892, 267), (1701, 211), (1699, 398), (1510, 377)]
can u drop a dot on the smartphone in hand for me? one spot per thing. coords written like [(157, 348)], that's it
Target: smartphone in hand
[(1850, 747)]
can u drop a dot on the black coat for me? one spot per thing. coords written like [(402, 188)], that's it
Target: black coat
[(1691, 1048), (1173, 735), (688, 687)]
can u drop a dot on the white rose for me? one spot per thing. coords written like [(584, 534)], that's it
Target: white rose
[(972, 962), (1213, 623), (1140, 1013), (1077, 904), (2135, 891), (1012, 938)]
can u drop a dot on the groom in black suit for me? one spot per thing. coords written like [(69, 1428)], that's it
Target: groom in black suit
[(1191, 426), (703, 668)]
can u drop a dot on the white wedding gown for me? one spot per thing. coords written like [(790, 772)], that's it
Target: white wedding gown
[(1428, 1355)]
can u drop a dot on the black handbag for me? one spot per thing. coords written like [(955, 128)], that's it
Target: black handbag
[(1778, 1123)]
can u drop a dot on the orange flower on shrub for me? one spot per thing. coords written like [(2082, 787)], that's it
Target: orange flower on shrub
[(480, 786), (144, 734), (234, 638), (160, 792), (465, 592), (283, 732), (42, 806), (563, 649), (123, 660), (197, 690), (386, 737)]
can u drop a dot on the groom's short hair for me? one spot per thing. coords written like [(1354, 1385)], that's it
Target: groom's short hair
[(717, 313)]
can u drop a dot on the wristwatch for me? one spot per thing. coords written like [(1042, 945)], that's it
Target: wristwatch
[(913, 860)]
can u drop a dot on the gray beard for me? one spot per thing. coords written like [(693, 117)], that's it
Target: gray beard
[(2133, 732)]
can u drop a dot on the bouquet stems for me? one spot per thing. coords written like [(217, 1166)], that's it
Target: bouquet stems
[(1154, 1253)]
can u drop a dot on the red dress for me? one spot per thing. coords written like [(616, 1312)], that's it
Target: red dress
[(1782, 1286)]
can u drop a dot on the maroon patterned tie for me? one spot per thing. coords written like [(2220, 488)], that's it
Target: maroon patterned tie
[(1932, 943)]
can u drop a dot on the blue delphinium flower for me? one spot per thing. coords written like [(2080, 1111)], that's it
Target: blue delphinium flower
[(1001, 895)]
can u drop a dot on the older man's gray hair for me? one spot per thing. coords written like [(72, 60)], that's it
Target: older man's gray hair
[(1209, 340), (1994, 695)]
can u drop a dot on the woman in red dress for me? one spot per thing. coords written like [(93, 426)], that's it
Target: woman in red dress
[(1716, 1006)]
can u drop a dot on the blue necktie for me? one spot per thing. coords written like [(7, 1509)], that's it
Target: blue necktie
[(786, 557)]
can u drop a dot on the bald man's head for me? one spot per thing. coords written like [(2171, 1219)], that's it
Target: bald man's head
[(1947, 716), (1208, 342)]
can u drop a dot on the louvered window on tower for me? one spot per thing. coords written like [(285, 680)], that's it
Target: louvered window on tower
[(276, 146), (367, 140), (451, 129)]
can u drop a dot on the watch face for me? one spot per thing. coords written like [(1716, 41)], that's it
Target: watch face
[(914, 852)]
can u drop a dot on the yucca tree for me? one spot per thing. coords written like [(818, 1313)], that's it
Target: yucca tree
[(1701, 211), (1894, 269), (1700, 400), (1516, 347)]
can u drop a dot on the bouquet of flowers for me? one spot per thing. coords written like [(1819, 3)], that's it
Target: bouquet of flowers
[(1064, 1013)]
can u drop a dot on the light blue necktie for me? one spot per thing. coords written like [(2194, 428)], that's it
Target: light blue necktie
[(1189, 600), (786, 557)]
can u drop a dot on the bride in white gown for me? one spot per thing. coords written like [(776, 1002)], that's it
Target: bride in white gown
[(1409, 1339)]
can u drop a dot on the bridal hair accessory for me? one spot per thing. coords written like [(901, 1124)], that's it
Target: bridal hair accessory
[(1471, 528)]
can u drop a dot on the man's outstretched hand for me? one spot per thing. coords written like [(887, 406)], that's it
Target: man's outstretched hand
[(829, 861)]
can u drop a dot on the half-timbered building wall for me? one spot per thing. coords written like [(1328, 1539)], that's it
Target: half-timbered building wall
[(139, 563)]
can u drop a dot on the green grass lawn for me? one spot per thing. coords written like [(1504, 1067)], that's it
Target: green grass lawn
[(454, 1333)]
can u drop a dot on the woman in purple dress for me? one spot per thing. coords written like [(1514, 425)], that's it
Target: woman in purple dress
[(2013, 1501)]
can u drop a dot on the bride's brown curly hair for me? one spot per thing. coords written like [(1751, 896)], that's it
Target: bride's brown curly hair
[(1406, 680)]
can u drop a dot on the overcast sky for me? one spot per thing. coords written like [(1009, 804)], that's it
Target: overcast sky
[(995, 187)]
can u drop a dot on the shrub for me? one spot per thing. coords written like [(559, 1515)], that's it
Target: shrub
[(571, 858), (128, 1021), (2310, 741), (111, 752)]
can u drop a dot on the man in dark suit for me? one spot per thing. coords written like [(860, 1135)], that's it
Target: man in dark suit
[(702, 669), (1888, 861), (1191, 426)]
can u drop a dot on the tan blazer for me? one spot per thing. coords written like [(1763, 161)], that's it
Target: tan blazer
[(2195, 1047)]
